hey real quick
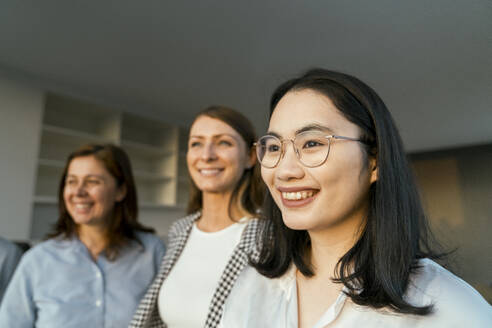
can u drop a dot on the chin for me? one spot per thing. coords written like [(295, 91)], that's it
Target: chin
[(216, 188), (212, 190), (296, 222), (81, 220)]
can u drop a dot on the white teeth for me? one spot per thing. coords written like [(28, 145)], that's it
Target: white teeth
[(298, 195), (82, 206), (209, 171)]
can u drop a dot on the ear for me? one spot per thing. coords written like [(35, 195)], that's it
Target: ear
[(373, 166), (121, 193), (251, 160)]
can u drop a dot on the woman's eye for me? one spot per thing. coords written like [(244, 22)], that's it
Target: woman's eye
[(311, 144), (70, 182), (93, 182), (273, 148), (225, 143), (195, 144)]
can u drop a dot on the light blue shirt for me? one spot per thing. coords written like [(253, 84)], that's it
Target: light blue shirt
[(57, 284), (10, 255)]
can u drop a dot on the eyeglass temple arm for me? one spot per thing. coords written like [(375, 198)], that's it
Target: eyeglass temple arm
[(348, 138)]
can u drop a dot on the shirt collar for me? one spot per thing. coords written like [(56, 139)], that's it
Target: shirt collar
[(287, 283), (75, 244)]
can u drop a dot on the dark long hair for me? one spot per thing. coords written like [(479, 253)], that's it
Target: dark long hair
[(123, 223), (395, 235), (250, 189)]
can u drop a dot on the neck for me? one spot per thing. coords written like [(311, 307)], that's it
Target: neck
[(94, 238), (215, 212), (329, 245)]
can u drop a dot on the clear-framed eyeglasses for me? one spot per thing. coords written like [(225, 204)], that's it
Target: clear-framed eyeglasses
[(311, 148)]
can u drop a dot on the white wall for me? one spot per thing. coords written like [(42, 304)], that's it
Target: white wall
[(20, 127)]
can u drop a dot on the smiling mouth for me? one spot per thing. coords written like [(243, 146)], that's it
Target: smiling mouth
[(210, 172), (82, 207), (298, 198), (298, 195)]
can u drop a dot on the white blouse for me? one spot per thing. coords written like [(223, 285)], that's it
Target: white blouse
[(185, 296), (257, 301)]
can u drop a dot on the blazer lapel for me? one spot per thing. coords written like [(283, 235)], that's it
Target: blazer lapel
[(235, 265), (147, 314)]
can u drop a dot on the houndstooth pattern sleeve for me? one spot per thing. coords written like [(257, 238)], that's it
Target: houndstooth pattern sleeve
[(147, 314)]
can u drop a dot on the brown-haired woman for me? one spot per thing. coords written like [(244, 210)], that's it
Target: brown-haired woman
[(208, 248), (98, 262)]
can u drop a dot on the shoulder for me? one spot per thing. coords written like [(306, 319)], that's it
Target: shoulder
[(48, 247), (43, 255), (255, 223), (250, 241), (253, 227), (182, 225), (150, 240), (252, 280), (452, 297), (8, 250), (265, 300)]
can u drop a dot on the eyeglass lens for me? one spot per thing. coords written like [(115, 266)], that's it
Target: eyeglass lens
[(311, 149)]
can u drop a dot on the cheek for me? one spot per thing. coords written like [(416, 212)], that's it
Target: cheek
[(267, 176), (234, 159), (66, 195), (105, 198), (189, 159), (344, 182)]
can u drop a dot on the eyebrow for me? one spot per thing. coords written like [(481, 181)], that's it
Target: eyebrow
[(309, 127), (314, 127), (87, 176), (214, 136)]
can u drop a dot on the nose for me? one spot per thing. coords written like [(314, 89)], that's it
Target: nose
[(80, 189), (208, 152), (289, 167)]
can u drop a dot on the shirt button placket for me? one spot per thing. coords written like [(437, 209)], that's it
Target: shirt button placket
[(100, 291)]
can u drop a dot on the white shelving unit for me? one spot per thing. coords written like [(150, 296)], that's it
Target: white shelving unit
[(154, 149), (183, 176)]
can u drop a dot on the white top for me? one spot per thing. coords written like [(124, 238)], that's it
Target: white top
[(257, 301), (185, 295)]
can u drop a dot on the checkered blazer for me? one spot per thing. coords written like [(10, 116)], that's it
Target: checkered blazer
[(147, 314)]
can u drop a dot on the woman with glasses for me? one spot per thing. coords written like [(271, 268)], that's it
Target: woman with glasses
[(98, 261), (345, 242), (208, 248)]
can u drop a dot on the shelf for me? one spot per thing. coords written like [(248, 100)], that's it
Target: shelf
[(48, 200), (48, 178), (149, 176), (144, 150), (57, 143), (152, 133), (148, 205), (86, 118), (183, 140), (74, 134)]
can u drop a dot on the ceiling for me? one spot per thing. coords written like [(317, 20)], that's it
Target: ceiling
[(431, 61)]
